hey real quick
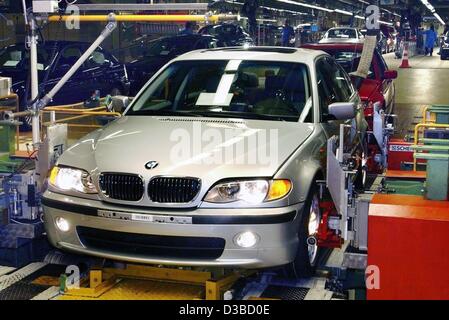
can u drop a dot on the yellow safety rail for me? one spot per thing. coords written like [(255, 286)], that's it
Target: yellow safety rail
[(424, 115), (142, 18), (420, 126), (78, 114)]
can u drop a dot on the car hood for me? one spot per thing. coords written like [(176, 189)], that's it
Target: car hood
[(211, 149), (337, 40)]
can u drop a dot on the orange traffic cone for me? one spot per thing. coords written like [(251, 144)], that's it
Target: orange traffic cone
[(405, 63)]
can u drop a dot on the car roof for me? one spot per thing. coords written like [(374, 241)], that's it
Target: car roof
[(343, 28), (194, 36), (282, 54), (52, 43), (334, 46)]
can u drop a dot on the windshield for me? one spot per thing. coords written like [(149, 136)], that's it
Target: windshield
[(236, 89), (15, 57), (224, 30), (350, 60), (341, 33)]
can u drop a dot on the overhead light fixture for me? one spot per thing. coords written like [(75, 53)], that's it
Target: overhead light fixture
[(284, 10), (428, 5), (343, 12), (439, 18), (385, 23), (432, 9), (306, 5)]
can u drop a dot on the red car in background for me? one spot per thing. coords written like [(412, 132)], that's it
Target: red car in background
[(378, 87)]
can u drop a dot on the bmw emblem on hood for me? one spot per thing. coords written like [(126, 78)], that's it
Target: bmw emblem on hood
[(151, 165)]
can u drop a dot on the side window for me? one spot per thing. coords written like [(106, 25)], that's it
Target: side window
[(325, 90), (69, 56), (340, 81), (67, 59), (97, 59), (381, 63), (201, 44)]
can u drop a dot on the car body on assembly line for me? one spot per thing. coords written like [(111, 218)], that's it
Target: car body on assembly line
[(100, 72), (444, 48), (214, 163), (228, 34), (343, 35), (148, 56)]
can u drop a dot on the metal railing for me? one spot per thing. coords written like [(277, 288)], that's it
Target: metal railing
[(420, 126)]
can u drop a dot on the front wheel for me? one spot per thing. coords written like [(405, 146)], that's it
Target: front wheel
[(308, 252)]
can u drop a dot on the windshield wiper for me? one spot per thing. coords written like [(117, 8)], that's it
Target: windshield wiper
[(163, 113), (238, 114)]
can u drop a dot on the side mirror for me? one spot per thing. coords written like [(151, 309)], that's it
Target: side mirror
[(119, 103), (390, 74), (342, 110)]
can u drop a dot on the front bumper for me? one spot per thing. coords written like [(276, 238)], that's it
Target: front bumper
[(276, 229)]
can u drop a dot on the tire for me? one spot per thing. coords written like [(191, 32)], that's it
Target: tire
[(361, 177), (307, 256)]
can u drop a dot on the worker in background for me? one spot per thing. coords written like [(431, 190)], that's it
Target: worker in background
[(287, 34), (249, 10), (431, 38), (188, 29)]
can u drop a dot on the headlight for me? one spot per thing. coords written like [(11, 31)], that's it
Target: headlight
[(70, 179), (250, 191)]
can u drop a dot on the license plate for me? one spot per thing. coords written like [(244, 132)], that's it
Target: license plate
[(150, 218), (142, 217)]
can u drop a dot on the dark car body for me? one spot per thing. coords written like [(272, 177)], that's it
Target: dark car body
[(228, 34), (385, 39), (148, 56), (101, 71), (444, 48)]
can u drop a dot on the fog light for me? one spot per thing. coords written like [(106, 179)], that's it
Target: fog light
[(62, 224), (246, 239)]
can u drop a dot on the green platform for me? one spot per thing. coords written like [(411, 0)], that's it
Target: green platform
[(407, 187), (8, 165)]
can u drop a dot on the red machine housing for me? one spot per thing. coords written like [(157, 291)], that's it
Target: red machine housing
[(400, 154), (408, 241)]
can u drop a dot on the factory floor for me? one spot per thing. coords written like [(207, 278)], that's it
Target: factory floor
[(424, 84)]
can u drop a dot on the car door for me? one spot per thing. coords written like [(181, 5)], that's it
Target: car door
[(334, 85), (387, 85)]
